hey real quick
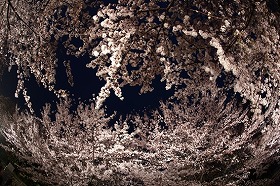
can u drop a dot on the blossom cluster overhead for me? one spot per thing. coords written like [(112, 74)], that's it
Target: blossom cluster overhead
[(220, 60)]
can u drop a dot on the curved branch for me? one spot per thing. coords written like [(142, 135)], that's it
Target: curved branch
[(18, 16)]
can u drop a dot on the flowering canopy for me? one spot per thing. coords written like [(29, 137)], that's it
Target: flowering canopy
[(221, 59)]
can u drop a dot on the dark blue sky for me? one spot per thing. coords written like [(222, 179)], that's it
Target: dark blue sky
[(85, 85)]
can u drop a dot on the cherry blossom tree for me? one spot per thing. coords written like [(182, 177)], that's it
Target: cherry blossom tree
[(220, 58)]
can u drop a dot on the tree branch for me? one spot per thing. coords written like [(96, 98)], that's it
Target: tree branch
[(17, 15)]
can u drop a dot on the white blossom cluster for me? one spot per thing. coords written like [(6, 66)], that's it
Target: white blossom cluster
[(220, 127)]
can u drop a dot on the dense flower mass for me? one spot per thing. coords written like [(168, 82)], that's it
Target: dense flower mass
[(220, 60)]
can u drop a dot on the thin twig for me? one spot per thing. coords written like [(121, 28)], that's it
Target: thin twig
[(158, 9), (207, 14), (248, 21), (8, 21), (17, 15)]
